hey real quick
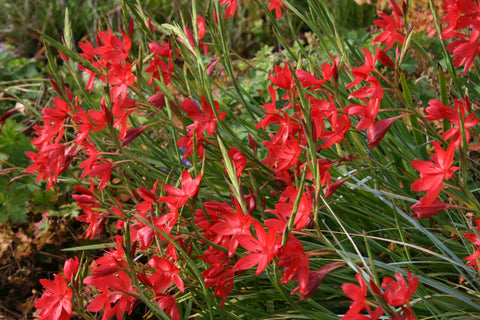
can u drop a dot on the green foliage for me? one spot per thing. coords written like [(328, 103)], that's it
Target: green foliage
[(350, 16), (20, 79), (366, 224), (15, 198)]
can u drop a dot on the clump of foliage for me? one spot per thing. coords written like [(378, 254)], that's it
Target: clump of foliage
[(224, 198)]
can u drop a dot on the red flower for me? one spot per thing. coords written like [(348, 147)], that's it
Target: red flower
[(113, 49), (104, 171), (55, 302), (178, 197), (284, 208), (472, 260), (121, 77), (377, 131), (399, 292), (149, 199), (315, 278), (220, 275), (277, 6), (474, 238), (168, 304), (283, 77), (433, 173), (392, 26), (463, 23), (189, 141), (231, 223), (360, 302), (231, 8), (114, 288), (296, 263), (166, 274), (121, 109), (362, 72), (370, 110), (357, 294), (465, 51), (51, 161), (238, 159), (86, 125), (158, 68), (89, 54), (70, 268), (261, 249), (94, 218), (205, 120), (425, 210), (437, 111), (283, 155), (288, 126)]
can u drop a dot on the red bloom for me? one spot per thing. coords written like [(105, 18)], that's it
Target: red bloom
[(114, 288), (231, 8), (89, 54), (362, 72), (425, 210), (398, 292), (55, 302), (205, 120), (121, 77), (178, 197), (462, 19), (473, 259), (93, 121), (465, 51), (315, 278), (371, 96), (437, 111), (357, 294), (238, 159), (277, 6), (149, 199), (392, 26), (158, 68), (121, 109), (288, 126), (54, 119), (377, 131), (284, 208), (296, 263), (94, 218), (360, 302), (433, 173), (104, 171), (166, 274), (339, 128), (220, 275), (474, 238), (283, 77), (261, 249), (113, 49), (51, 161), (231, 223), (283, 155), (70, 268), (168, 304)]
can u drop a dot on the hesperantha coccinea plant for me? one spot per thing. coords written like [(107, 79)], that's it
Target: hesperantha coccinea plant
[(334, 178)]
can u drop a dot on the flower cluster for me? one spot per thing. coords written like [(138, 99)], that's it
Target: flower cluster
[(395, 293), (176, 230), (461, 16)]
